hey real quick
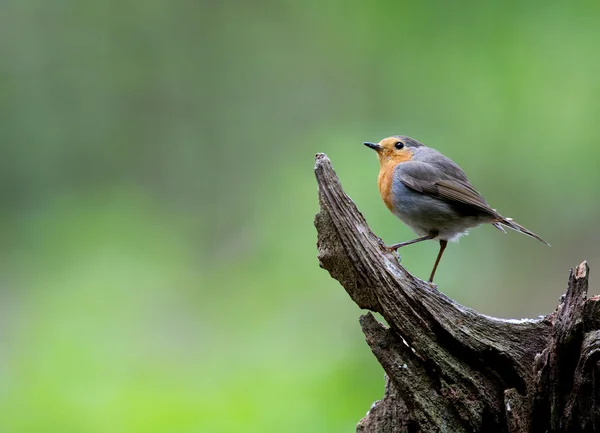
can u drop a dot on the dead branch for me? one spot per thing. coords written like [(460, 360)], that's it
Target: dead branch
[(449, 368)]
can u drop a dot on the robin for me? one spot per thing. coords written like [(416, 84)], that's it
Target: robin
[(431, 194)]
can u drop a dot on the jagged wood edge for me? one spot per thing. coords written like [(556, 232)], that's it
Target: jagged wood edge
[(567, 371)]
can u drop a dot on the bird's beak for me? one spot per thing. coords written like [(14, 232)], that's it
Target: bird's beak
[(373, 146)]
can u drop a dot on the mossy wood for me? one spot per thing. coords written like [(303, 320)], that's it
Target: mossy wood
[(449, 368)]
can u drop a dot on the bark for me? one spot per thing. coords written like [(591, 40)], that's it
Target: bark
[(449, 368)]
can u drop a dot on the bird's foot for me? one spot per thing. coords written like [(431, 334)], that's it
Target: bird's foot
[(394, 250)]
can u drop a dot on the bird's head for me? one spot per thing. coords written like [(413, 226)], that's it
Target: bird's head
[(396, 149)]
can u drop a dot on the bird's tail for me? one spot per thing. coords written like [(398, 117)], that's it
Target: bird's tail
[(508, 222)]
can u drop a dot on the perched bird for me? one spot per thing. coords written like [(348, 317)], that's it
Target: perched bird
[(431, 194)]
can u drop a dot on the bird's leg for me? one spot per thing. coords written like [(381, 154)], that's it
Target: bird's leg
[(414, 241), (437, 261)]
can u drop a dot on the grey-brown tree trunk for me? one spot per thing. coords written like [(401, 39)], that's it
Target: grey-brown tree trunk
[(449, 368)]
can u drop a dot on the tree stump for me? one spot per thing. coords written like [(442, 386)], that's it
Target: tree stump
[(449, 368)]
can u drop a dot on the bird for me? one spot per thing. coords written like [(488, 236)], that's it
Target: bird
[(431, 194)]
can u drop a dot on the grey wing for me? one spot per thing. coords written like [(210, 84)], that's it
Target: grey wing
[(445, 165), (446, 182), (438, 176)]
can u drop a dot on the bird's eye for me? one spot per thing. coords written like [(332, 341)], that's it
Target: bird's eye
[(399, 145)]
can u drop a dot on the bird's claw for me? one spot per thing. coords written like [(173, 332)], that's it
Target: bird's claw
[(395, 252)]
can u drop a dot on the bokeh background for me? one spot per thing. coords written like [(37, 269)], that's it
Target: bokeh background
[(158, 261)]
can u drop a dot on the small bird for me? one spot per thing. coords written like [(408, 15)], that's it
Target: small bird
[(431, 194)]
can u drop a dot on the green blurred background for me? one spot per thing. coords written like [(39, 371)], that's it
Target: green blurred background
[(158, 268)]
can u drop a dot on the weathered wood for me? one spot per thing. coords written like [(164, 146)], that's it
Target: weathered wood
[(451, 369)]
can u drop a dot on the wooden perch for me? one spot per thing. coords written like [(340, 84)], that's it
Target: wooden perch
[(449, 368)]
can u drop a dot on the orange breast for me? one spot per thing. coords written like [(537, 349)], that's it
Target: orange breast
[(386, 174), (384, 182)]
